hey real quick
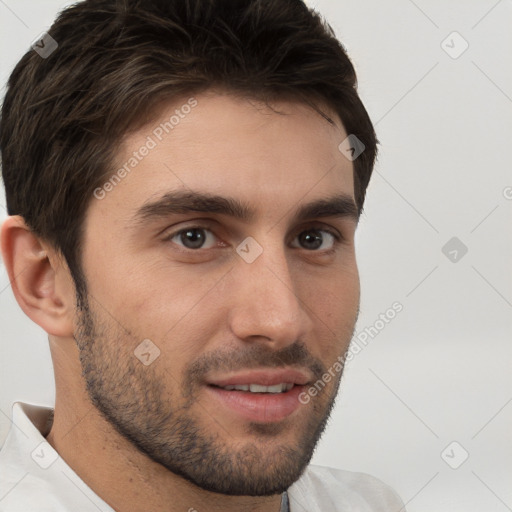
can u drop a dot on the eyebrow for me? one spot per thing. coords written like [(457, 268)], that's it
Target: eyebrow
[(184, 202)]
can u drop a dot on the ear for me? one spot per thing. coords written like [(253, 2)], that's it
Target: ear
[(40, 279)]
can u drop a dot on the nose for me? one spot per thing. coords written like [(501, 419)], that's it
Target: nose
[(267, 305)]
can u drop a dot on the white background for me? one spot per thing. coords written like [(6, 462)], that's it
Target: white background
[(440, 371)]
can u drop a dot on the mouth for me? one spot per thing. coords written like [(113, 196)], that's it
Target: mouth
[(258, 388), (261, 396)]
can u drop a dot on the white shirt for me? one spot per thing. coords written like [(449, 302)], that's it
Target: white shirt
[(34, 478)]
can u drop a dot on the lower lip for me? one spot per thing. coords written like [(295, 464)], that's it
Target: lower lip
[(259, 407)]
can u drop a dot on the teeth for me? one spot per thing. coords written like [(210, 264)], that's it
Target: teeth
[(257, 388)]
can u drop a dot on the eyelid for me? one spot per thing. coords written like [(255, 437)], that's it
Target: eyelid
[(170, 235), (337, 239), (206, 225), (318, 225)]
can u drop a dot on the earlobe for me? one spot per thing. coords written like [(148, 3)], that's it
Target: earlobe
[(40, 280)]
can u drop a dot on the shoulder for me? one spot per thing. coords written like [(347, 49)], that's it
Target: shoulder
[(32, 474), (324, 488)]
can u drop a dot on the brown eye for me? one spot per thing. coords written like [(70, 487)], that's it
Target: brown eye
[(315, 239), (194, 238)]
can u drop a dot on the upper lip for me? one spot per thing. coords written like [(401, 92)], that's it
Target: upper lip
[(263, 377)]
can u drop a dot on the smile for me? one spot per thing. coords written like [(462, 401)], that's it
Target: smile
[(257, 388), (263, 396)]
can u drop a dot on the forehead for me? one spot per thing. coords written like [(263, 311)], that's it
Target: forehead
[(271, 157)]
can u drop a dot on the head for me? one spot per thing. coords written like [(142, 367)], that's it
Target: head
[(176, 187)]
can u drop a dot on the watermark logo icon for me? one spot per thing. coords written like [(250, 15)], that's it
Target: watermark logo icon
[(454, 249), (44, 455), (249, 250), (455, 455), (44, 45), (146, 352), (351, 147), (454, 45)]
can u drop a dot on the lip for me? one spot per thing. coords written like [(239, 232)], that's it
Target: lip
[(263, 377), (257, 407)]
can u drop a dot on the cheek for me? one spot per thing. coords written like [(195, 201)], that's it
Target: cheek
[(334, 300), (179, 316), (333, 307), (148, 299)]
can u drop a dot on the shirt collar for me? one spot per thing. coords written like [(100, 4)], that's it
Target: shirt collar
[(25, 444)]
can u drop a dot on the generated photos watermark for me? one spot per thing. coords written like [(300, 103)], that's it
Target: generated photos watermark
[(357, 344)]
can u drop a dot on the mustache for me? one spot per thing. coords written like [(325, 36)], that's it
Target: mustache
[(254, 357)]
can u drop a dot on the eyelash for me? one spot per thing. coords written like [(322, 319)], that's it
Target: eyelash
[(338, 239)]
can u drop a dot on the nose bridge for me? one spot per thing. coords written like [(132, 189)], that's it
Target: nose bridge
[(267, 304)]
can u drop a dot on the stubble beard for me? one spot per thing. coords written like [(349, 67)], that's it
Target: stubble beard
[(135, 401)]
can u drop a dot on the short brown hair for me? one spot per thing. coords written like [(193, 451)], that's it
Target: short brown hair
[(63, 116)]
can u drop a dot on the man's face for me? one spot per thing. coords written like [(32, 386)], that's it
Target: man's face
[(162, 265)]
